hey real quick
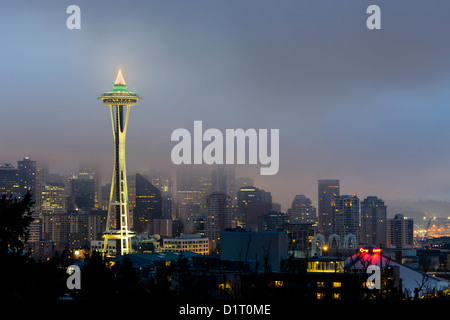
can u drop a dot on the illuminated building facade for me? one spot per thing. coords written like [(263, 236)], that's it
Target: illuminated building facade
[(119, 101), (9, 180), (302, 210), (218, 218), (251, 203), (27, 177), (148, 206), (345, 216), (53, 198), (373, 221), (400, 232), (327, 190), (83, 191), (187, 242)]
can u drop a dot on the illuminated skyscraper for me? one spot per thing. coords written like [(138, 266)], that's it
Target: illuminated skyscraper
[(83, 191), (119, 101), (327, 190), (218, 218), (9, 180), (400, 232), (148, 206), (53, 198), (27, 177), (373, 221), (344, 217), (302, 210)]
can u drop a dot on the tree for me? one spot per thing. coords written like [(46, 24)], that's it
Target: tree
[(15, 220)]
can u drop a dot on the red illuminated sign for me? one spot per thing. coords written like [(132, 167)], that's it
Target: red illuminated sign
[(374, 250)]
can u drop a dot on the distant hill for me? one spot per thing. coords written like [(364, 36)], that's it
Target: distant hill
[(418, 209)]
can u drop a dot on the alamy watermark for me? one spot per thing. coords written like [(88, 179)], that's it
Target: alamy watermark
[(374, 280), (74, 280), (236, 142)]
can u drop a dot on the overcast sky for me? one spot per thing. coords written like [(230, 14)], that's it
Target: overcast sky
[(368, 107)]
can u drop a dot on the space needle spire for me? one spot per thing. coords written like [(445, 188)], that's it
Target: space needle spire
[(119, 100)]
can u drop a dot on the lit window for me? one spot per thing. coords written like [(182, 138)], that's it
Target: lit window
[(278, 283), (336, 284), (336, 296), (320, 295), (320, 284)]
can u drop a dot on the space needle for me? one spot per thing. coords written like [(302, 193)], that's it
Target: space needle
[(119, 100)]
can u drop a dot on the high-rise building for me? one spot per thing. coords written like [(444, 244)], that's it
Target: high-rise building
[(222, 180), (42, 173), (327, 190), (400, 232), (119, 101), (131, 182), (73, 230), (218, 218), (9, 180), (148, 206), (193, 185), (92, 169), (27, 177), (302, 210), (164, 182), (53, 198), (345, 216), (272, 221), (251, 203), (83, 193), (163, 227), (373, 221)]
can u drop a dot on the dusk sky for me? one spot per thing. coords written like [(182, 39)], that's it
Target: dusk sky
[(368, 107)]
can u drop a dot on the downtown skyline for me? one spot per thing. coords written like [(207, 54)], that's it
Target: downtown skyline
[(367, 108)]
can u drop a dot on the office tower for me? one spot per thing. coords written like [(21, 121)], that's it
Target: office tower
[(193, 185), (327, 190), (239, 183), (42, 173), (92, 169), (222, 180), (9, 180), (35, 231), (148, 206), (299, 235), (164, 183), (119, 101), (243, 182), (252, 202), (272, 221), (302, 210), (53, 198), (73, 230), (400, 232), (218, 218), (163, 227), (345, 216), (83, 193), (162, 180), (131, 183), (27, 177), (373, 221)]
